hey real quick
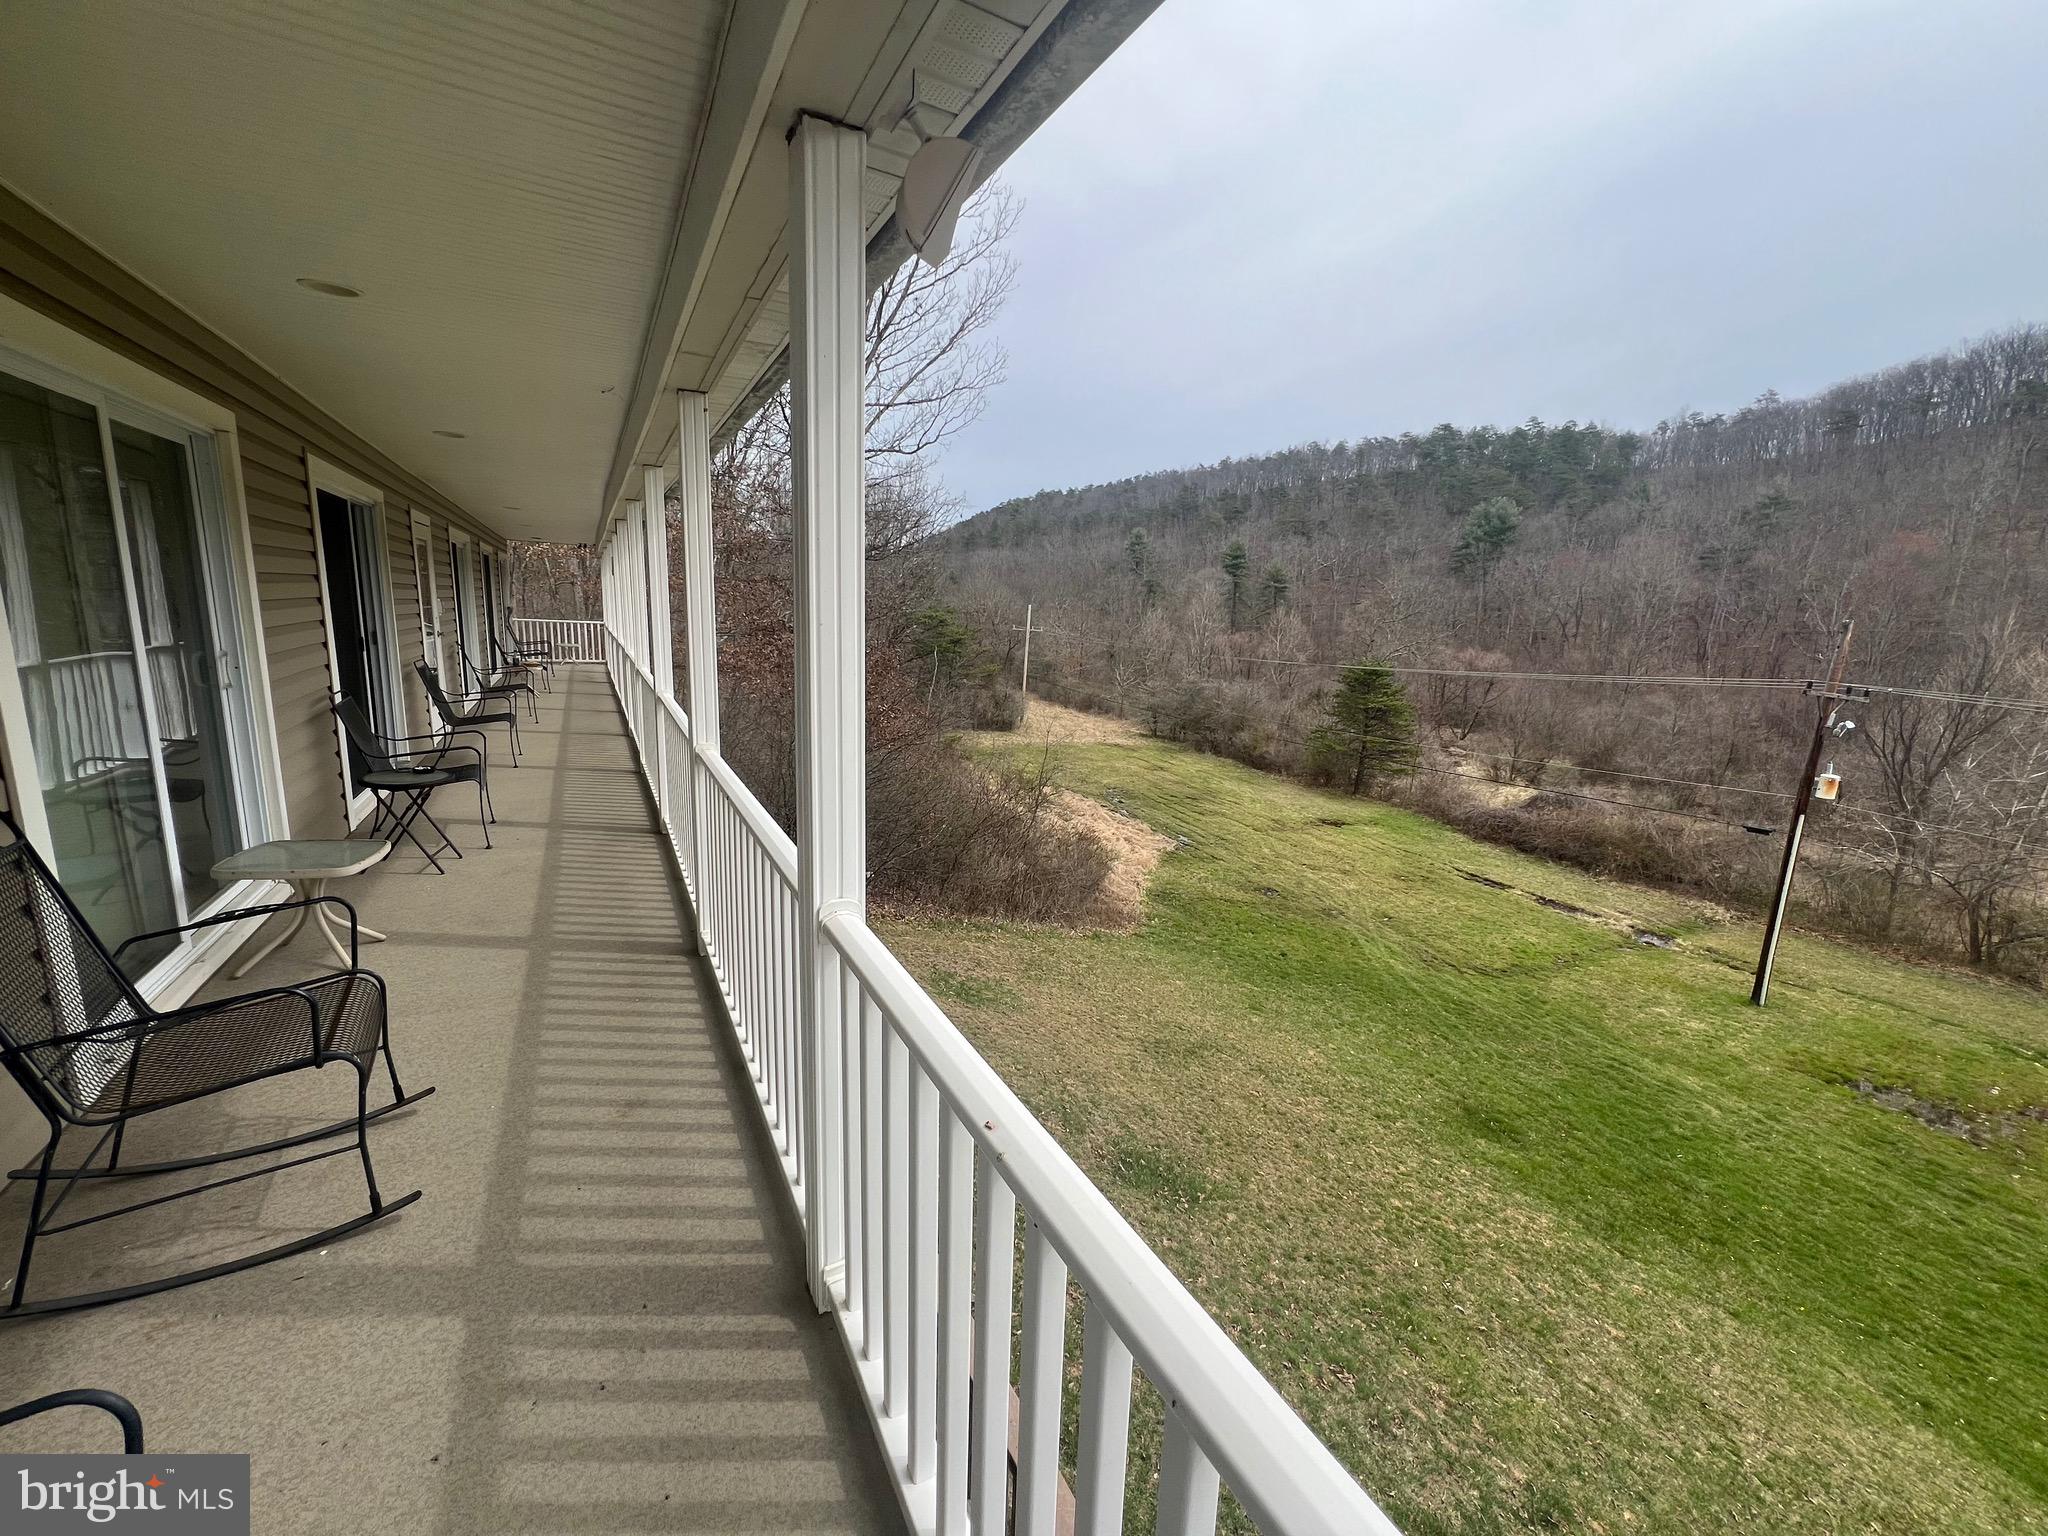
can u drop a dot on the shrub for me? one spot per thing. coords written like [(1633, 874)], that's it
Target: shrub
[(943, 833)]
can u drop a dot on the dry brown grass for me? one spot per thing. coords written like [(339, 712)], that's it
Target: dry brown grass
[(1061, 726), (1134, 851)]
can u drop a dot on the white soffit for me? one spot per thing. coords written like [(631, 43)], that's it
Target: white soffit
[(500, 181), (960, 51)]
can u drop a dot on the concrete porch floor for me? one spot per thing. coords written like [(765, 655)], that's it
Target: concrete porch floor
[(595, 1319)]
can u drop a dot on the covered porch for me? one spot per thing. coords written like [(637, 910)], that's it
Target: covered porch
[(726, 1226), (595, 1319)]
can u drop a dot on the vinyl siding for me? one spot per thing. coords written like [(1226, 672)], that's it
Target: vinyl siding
[(48, 269)]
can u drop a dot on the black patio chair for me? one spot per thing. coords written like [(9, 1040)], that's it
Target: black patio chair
[(402, 775), (468, 709), (499, 687), (542, 651), (91, 1054), (124, 1412), (514, 662)]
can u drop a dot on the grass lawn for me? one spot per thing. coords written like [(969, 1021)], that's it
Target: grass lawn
[(1541, 1227)]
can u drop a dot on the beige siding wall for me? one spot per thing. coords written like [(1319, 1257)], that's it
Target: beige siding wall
[(46, 268)]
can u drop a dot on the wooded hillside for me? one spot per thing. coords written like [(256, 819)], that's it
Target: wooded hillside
[(1216, 603)]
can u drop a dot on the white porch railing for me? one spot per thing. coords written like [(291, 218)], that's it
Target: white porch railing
[(572, 639), (937, 1161)]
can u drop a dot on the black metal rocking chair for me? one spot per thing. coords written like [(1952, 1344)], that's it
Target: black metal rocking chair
[(123, 1411), (401, 776), (468, 709), (91, 1054)]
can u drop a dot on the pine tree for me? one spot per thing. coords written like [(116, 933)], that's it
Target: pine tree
[(1489, 529), (1273, 589), (1138, 551), (1236, 565), (1368, 728)]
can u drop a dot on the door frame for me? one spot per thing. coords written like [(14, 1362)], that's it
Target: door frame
[(37, 348), (462, 567), (358, 804), (431, 649)]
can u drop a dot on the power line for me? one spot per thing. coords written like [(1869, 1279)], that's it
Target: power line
[(1627, 805), (1644, 680), (1616, 773), (1895, 818), (1942, 696), (1647, 681), (1735, 826), (1671, 680)]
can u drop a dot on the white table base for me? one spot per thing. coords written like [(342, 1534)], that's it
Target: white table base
[(330, 929)]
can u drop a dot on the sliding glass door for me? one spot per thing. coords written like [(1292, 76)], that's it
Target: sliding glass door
[(111, 551), (462, 571), (359, 622)]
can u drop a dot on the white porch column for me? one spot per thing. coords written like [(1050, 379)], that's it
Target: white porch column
[(700, 619), (636, 579), (700, 596), (661, 649), (827, 268), (608, 587)]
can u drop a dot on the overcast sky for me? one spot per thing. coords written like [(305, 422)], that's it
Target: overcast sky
[(1260, 224)]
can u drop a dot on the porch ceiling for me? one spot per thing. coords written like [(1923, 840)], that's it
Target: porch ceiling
[(556, 213)]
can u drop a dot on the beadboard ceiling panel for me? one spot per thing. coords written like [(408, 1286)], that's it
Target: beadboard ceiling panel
[(500, 182), (557, 212)]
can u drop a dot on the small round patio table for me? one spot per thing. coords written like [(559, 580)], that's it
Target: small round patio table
[(308, 864)]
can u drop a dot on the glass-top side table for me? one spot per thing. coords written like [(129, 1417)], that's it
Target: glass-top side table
[(307, 864)]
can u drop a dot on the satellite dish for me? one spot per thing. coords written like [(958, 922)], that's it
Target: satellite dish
[(934, 189)]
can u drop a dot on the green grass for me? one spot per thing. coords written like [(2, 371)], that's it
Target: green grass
[(1543, 1228)]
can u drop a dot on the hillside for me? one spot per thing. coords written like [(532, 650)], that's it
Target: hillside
[(1213, 604), (1540, 1224)]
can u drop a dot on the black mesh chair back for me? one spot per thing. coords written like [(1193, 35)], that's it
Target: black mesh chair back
[(431, 681), (56, 980), (468, 675), (476, 712), (363, 736)]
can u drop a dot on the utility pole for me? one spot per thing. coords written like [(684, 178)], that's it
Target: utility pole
[(1830, 701), (1024, 687)]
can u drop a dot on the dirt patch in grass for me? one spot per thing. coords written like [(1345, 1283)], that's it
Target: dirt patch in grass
[(1980, 1128), (1652, 937), (1134, 852)]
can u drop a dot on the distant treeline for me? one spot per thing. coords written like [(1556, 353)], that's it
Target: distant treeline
[(1997, 379)]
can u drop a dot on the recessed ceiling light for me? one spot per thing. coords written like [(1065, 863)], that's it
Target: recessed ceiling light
[(332, 290), (444, 432)]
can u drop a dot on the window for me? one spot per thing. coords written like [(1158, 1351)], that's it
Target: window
[(126, 629)]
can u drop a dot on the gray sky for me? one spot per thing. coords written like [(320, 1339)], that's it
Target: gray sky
[(1260, 224)]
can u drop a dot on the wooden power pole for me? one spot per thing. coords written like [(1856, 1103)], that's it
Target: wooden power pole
[(1024, 687), (1824, 718)]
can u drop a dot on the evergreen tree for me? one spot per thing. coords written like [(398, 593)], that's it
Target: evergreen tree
[(1368, 728), (944, 636), (1138, 550), (1236, 565), (1273, 588), (1489, 529)]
